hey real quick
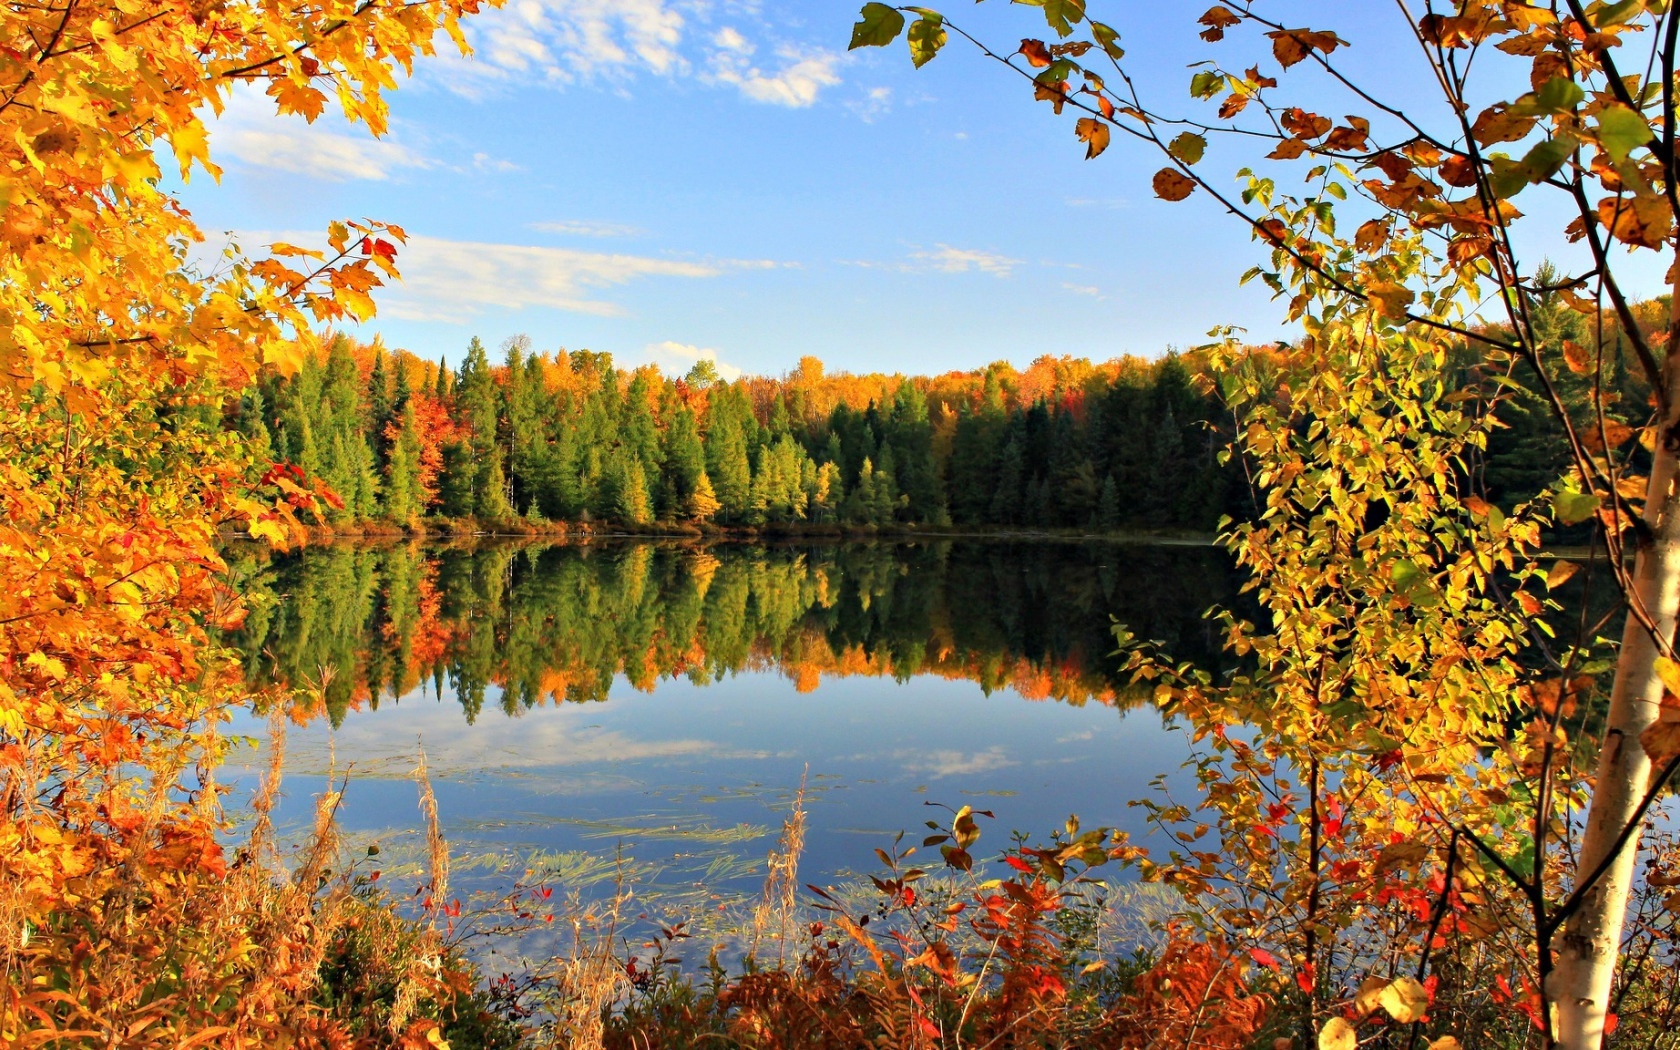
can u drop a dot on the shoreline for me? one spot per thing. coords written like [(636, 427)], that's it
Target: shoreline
[(441, 530)]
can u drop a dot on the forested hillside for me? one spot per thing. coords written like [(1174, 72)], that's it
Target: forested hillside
[(1127, 444)]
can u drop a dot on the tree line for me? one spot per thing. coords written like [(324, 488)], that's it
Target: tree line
[(571, 437)]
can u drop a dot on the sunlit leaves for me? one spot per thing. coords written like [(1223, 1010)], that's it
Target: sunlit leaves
[(927, 35), (1187, 147), (1108, 40), (1337, 1034), (1094, 133), (1620, 131), (1640, 221), (1206, 84), (1405, 1000), (1290, 46), (1217, 19), (1172, 185), (1573, 506), (878, 25)]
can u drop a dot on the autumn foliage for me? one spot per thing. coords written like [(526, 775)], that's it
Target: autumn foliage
[(122, 919)]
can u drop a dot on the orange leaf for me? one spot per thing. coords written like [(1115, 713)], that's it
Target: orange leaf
[(1173, 185)]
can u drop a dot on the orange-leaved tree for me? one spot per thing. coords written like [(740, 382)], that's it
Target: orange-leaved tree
[(1570, 101), (116, 352)]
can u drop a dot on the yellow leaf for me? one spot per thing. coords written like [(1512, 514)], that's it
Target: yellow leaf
[(1337, 1034), (189, 143), (1369, 997), (1405, 1000), (1094, 133), (1669, 672)]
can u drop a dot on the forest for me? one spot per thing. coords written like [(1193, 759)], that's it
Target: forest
[(1428, 801), (1127, 445)]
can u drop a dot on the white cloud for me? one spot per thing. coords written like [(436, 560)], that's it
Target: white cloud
[(564, 42), (874, 102), (453, 281), (486, 163), (942, 258), (801, 78), (947, 259), (586, 228), (571, 41), (1085, 289), (676, 359), (251, 134), (321, 154)]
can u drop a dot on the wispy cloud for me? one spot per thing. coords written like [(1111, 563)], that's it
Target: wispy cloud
[(1085, 289), (586, 228), (947, 259), (320, 154), (250, 134), (943, 258), (453, 281), (675, 358), (799, 79), (613, 42), (872, 104)]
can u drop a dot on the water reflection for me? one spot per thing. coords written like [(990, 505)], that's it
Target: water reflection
[(670, 698), (547, 624)]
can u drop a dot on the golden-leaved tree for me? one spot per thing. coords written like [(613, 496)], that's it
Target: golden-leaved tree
[(1422, 736), (117, 348)]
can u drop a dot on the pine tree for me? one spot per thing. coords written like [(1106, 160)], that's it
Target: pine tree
[(1108, 506), (402, 471), (634, 507), (491, 502), (380, 411), (702, 503)]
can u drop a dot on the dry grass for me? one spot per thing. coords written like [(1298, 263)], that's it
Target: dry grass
[(776, 913)]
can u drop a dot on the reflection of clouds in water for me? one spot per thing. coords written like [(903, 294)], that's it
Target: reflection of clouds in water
[(953, 763), (386, 743)]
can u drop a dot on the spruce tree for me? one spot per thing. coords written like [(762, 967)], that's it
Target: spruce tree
[(1108, 506)]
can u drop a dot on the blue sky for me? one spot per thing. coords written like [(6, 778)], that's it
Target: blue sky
[(662, 179)]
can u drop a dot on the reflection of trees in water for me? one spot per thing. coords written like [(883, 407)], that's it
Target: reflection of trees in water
[(554, 623)]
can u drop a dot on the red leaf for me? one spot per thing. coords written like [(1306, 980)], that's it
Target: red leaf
[(1266, 959)]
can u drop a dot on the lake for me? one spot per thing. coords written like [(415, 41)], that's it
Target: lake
[(658, 704)]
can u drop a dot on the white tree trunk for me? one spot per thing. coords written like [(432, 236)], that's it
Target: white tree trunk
[(1588, 950)]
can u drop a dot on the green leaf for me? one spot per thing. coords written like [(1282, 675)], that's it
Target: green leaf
[(926, 37), (1188, 147), (1618, 13), (1547, 157), (1572, 507), (1109, 40), (1063, 15), (1558, 95), (1621, 131), (1206, 84), (878, 25)]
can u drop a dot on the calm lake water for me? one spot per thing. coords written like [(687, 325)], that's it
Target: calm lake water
[(662, 702)]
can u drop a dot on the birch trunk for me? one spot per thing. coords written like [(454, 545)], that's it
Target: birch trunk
[(1588, 950)]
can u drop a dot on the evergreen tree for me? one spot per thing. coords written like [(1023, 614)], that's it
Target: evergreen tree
[(1108, 506), (702, 503), (380, 412)]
